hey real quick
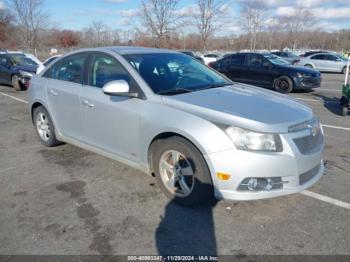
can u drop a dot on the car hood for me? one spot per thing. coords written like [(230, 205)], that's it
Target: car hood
[(244, 106), (27, 68)]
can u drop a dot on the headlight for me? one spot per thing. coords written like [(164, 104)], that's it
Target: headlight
[(248, 140), (303, 75), (25, 74)]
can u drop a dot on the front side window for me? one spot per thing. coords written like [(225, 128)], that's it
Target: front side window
[(165, 72), (70, 69), (255, 60), (21, 60), (105, 69)]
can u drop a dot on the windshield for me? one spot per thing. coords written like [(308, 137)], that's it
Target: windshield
[(22, 60), (276, 60), (167, 73)]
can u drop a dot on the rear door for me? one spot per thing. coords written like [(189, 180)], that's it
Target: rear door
[(234, 67), (320, 62), (110, 123), (63, 88)]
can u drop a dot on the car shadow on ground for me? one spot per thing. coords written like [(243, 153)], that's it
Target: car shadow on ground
[(332, 104), (187, 230)]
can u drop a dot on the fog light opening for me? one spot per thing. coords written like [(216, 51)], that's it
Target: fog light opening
[(261, 184)]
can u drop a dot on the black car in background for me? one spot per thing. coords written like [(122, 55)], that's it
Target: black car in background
[(16, 69), (267, 70), (190, 53)]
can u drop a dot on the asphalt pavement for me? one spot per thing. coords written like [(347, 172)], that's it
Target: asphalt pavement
[(68, 201)]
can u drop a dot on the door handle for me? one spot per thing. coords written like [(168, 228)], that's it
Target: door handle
[(87, 103), (53, 93)]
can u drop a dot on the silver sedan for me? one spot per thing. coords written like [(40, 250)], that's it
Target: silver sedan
[(325, 62), (166, 114)]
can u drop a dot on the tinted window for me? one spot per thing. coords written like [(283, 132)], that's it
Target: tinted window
[(233, 60), (255, 60), (331, 58), (69, 69), (4, 60), (105, 69), (319, 57)]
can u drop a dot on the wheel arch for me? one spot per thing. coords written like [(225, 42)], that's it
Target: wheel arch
[(166, 135)]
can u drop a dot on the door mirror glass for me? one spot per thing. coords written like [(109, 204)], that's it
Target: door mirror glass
[(118, 88)]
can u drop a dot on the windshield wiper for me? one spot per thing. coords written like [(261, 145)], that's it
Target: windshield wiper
[(174, 91), (217, 85)]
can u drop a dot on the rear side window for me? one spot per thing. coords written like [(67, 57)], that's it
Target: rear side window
[(70, 69), (105, 69), (318, 57), (233, 60)]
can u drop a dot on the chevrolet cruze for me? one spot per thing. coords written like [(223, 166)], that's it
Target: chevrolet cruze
[(170, 116)]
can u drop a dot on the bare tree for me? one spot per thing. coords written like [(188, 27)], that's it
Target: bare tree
[(160, 17), (252, 19), (6, 19), (31, 17), (297, 22), (99, 34), (208, 16)]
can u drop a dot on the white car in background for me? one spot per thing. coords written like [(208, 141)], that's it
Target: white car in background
[(209, 58), (46, 63), (325, 62)]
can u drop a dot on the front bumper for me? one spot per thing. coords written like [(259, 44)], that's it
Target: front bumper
[(307, 83), (24, 80), (298, 171)]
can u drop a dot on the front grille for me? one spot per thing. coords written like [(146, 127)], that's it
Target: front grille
[(307, 176), (310, 144)]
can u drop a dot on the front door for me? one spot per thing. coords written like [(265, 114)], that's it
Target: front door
[(110, 123)]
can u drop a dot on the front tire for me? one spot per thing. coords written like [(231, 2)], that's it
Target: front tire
[(181, 172), (283, 84), (344, 111), (308, 66), (44, 127), (344, 70)]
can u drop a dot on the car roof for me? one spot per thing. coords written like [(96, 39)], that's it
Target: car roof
[(126, 50)]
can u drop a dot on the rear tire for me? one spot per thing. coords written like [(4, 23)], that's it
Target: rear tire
[(182, 172), (44, 127), (283, 84), (16, 84)]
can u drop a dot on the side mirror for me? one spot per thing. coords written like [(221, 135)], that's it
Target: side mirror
[(118, 88), (338, 60)]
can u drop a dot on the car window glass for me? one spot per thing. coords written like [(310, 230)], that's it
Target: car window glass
[(105, 69), (3, 60), (233, 60), (331, 58), (255, 60), (69, 69), (173, 71), (318, 57)]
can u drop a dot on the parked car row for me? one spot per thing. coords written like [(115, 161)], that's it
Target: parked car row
[(267, 70)]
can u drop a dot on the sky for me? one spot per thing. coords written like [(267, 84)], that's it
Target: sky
[(122, 14)]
